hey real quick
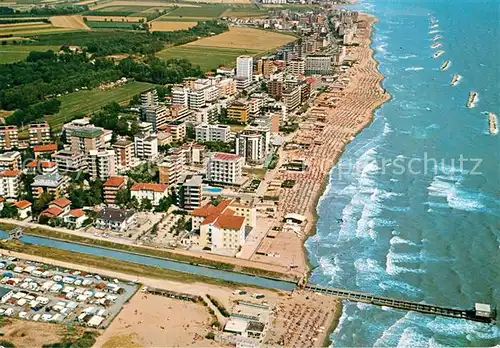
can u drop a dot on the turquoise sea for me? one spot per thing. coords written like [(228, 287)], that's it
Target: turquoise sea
[(412, 209)]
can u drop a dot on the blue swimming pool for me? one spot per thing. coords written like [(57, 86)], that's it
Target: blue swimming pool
[(212, 189)]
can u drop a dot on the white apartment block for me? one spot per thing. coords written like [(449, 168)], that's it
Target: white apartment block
[(153, 192), (297, 67), (244, 67), (180, 95), (196, 98), (101, 164), (10, 160), (8, 137), (156, 115), (212, 132), (253, 143), (189, 192), (227, 88), (39, 133), (69, 162), (319, 65), (225, 168), (10, 181), (208, 114), (275, 2), (178, 130), (292, 98), (146, 146)]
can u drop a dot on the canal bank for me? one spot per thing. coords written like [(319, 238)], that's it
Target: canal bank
[(131, 262)]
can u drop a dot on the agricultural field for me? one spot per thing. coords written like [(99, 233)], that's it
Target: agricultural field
[(206, 57), (72, 22), (14, 53), (170, 26), (207, 11), (161, 4), (245, 12), (113, 25), (223, 1), (85, 102), (115, 19), (245, 38), (28, 29)]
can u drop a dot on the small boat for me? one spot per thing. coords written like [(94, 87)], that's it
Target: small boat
[(436, 45), (445, 65), (493, 123), (437, 54), (472, 100), (434, 26), (455, 79), (436, 37)]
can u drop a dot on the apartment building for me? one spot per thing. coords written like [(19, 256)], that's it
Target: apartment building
[(41, 167), (319, 65), (194, 153), (10, 160), (172, 168), (305, 91), (244, 67), (8, 137), (101, 164), (253, 144), (70, 162), (153, 192), (180, 95), (54, 184), (227, 88), (212, 132), (111, 188), (124, 150), (151, 111), (255, 105), (39, 133), (238, 111), (146, 146), (86, 139), (189, 192), (44, 150), (10, 183), (225, 168), (292, 98), (297, 66), (113, 219), (178, 130), (245, 207), (220, 230), (207, 114), (275, 88)]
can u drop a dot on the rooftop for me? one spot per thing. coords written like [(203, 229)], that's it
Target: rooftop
[(114, 181), (10, 173), (22, 204), (229, 222), (45, 148), (223, 156), (149, 187), (114, 214), (87, 132), (61, 202)]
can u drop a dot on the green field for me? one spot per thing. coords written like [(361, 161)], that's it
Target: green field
[(130, 9), (85, 102), (206, 57), (114, 25), (14, 53), (209, 11)]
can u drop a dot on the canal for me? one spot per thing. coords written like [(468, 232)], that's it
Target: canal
[(158, 262)]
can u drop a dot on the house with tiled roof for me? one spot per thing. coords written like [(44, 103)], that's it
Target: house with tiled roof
[(45, 149), (23, 208), (151, 191), (41, 167), (62, 203), (220, 229), (75, 218), (111, 188)]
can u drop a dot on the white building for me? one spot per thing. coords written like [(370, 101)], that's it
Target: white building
[(115, 219), (189, 192), (101, 164), (146, 146), (244, 67), (253, 143), (212, 132), (153, 192), (225, 168), (297, 66), (196, 98), (10, 181), (319, 65), (124, 150), (180, 95)]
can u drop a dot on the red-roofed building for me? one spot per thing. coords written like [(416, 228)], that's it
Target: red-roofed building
[(111, 187), (61, 203), (46, 149), (225, 168), (153, 192), (75, 218), (52, 212), (23, 208), (221, 229), (41, 167)]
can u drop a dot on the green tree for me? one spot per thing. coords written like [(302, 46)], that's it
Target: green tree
[(122, 197), (42, 203), (146, 205), (133, 203), (8, 211), (164, 204)]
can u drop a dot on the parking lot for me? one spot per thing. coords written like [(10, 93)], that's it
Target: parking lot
[(39, 292)]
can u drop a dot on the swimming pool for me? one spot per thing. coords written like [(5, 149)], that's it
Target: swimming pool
[(212, 189)]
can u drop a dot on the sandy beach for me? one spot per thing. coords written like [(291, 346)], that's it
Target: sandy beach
[(345, 110)]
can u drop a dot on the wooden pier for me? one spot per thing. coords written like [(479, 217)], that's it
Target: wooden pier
[(481, 313)]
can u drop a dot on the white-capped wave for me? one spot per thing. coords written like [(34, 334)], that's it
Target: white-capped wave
[(329, 268), (456, 196), (412, 338), (414, 68), (398, 240)]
